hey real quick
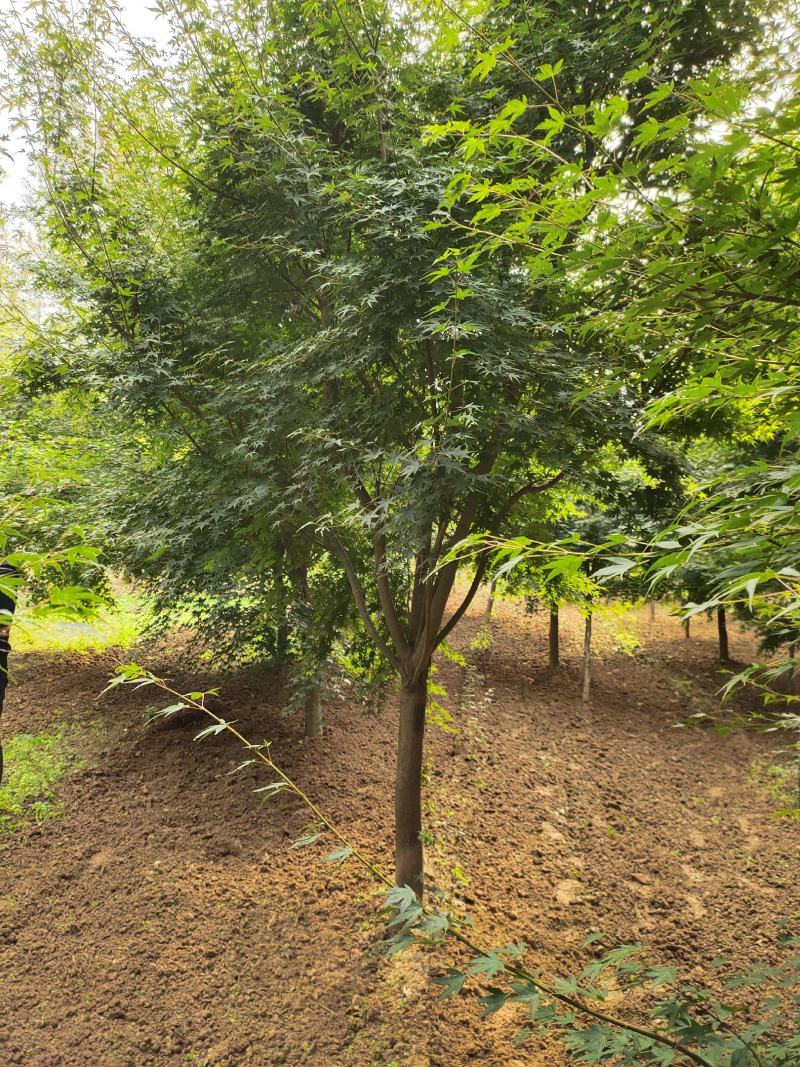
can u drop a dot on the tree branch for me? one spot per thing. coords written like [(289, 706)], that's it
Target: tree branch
[(360, 599), (458, 614), (529, 490), (385, 594), (480, 570)]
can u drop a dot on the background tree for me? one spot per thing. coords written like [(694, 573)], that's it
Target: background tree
[(275, 297), (283, 312)]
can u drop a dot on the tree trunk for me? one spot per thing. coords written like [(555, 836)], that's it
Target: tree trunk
[(313, 709), (487, 615), (554, 656), (587, 658), (687, 624), (408, 786), (652, 611), (722, 629)]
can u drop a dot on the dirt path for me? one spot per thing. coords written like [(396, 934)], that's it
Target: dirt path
[(162, 921)]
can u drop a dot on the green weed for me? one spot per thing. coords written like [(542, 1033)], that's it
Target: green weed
[(482, 641), (782, 783), (627, 642), (33, 765), (684, 687)]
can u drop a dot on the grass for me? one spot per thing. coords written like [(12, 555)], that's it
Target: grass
[(34, 763), (781, 781), (114, 627)]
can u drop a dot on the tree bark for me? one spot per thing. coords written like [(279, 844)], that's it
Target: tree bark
[(587, 658), (722, 629), (555, 660), (408, 785), (687, 624), (652, 611), (313, 710), (487, 615)]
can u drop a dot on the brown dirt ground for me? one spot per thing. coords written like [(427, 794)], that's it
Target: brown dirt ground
[(163, 921)]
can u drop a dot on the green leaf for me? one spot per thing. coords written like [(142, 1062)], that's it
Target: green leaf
[(452, 983), (306, 839), (213, 730), (493, 1000), (241, 766), (164, 713), (489, 964), (339, 855), (272, 789), (434, 925), (661, 975), (636, 74), (618, 566)]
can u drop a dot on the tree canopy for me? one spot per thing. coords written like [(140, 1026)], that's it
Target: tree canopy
[(342, 285)]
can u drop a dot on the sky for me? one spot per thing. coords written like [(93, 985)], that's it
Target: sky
[(139, 20)]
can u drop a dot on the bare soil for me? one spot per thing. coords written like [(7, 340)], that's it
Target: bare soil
[(164, 920)]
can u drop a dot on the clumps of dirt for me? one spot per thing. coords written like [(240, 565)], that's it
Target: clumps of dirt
[(164, 921)]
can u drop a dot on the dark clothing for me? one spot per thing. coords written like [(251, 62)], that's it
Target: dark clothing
[(7, 604), (5, 648)]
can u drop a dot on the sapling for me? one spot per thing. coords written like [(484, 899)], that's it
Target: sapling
[(689, 1026)]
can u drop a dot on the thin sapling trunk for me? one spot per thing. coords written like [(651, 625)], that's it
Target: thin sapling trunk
[(587, 658), (555, 660), (722, 629), (487, 615)]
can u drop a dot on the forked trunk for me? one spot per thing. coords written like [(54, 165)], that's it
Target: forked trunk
[(722, 629), (487, 615), (554, 652), (587, 658), (313, 710), (408, 786)]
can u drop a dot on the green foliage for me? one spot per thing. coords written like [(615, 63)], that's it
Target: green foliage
[(674, 1021), (301, 372), (782, 780), (673, 192), (627, 642), (118, 626), (43, 570), (482, 641), (437, 714), (34, 764)]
